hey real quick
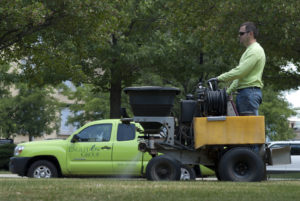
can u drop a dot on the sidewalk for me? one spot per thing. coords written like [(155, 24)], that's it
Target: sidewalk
[(9, 176)]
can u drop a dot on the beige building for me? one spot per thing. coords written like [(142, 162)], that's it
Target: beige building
[(295, 124)]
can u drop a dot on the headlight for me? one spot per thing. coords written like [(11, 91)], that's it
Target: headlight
[(18, 150)]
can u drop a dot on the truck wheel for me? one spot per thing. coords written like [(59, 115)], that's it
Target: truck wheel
[(163, 168), (241, 164), (187, 173), (42, 169), (218, 175), (197, 171)]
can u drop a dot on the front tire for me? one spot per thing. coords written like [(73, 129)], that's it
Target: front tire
[(42, 169), (187, 173), (241, 164), (162, 168)]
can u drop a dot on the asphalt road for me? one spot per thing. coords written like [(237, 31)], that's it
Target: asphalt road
[(9, 176), (198, 179), (16, 176)]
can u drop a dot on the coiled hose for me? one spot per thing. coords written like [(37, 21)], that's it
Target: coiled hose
[(215, 103)]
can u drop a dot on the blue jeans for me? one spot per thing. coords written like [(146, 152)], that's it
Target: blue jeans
[(248, 100)]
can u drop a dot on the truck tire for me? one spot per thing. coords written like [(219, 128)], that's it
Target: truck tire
[(42, 169), (197, 171), (187, 173), (241, 164), (217, 172), (162, 168)]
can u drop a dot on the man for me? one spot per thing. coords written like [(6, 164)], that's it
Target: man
[(247, 76)]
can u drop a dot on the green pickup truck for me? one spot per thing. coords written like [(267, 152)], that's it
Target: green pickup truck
[(99, 148)]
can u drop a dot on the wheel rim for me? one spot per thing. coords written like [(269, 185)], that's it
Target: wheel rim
[(164, 172), (42, 172), (185, 174), (241, 169)]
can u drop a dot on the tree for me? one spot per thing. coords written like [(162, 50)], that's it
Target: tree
[(88, 105), (110, 44), (35, 111), (21, 21), (215, 24), (7, 124), (276, 111), (108, 55)]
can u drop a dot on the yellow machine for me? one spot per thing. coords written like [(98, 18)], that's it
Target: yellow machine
[(226, 130), (208, 132)]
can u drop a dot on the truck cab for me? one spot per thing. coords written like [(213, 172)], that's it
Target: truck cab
[(104, 147)]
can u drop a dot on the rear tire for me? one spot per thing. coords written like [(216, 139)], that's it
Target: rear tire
[(241, 164), (42, 169), (162, 168)]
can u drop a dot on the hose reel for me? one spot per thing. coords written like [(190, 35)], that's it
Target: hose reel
[(212, 101)]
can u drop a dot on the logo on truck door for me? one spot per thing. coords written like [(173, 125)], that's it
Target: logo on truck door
[(86, 152)]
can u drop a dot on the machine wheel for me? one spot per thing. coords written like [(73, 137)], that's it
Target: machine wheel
[(163, 168), (241, 164), (187, 173), (42, 169)]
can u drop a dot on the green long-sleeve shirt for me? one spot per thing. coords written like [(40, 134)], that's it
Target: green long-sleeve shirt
[(249, 71)]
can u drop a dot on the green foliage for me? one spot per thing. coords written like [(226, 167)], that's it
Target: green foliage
[(32, 111), (35, 111), (111, 44), (276, 111), (6, 151), (88, 105), (7, 124), (216, 24)]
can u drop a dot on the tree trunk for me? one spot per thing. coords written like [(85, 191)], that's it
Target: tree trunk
[(115, 94)]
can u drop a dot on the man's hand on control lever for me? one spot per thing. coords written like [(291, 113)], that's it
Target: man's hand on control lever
[(213, 83), (214, 79)]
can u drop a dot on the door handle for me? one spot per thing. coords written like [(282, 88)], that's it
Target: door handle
[(105, 147)]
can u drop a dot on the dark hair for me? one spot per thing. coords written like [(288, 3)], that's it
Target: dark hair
[(250, 26)]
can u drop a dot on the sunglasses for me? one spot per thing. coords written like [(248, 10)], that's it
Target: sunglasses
[(242, 33)]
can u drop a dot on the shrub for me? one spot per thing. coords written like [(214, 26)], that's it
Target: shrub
[(6, 151)]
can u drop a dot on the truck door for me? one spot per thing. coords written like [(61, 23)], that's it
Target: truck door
[(127, 159), (91, 153)]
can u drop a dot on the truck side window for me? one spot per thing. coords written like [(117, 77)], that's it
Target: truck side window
[(96, 133), (126, 132), (295, 149)]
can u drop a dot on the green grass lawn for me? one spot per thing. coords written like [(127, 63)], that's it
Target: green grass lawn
[(142, 190)]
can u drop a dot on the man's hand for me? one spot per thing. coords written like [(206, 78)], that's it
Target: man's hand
[(214, 79)]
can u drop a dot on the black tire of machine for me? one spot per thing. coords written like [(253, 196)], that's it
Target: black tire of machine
[(42, 169), (241, 164), (187, 173), (162, 168)]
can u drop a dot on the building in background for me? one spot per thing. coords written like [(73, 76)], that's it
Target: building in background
[(295, 124)]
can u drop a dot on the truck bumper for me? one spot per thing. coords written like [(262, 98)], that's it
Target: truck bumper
[(18, 165)]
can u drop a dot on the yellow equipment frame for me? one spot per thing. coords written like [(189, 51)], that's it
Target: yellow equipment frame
[(229, 130)]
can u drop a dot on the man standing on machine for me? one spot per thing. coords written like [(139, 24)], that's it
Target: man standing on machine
[(247, 76)]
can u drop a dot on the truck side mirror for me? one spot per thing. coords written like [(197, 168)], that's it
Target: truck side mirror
[(75, 138)]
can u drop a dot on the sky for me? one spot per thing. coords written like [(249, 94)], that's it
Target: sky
[(293, 97)]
